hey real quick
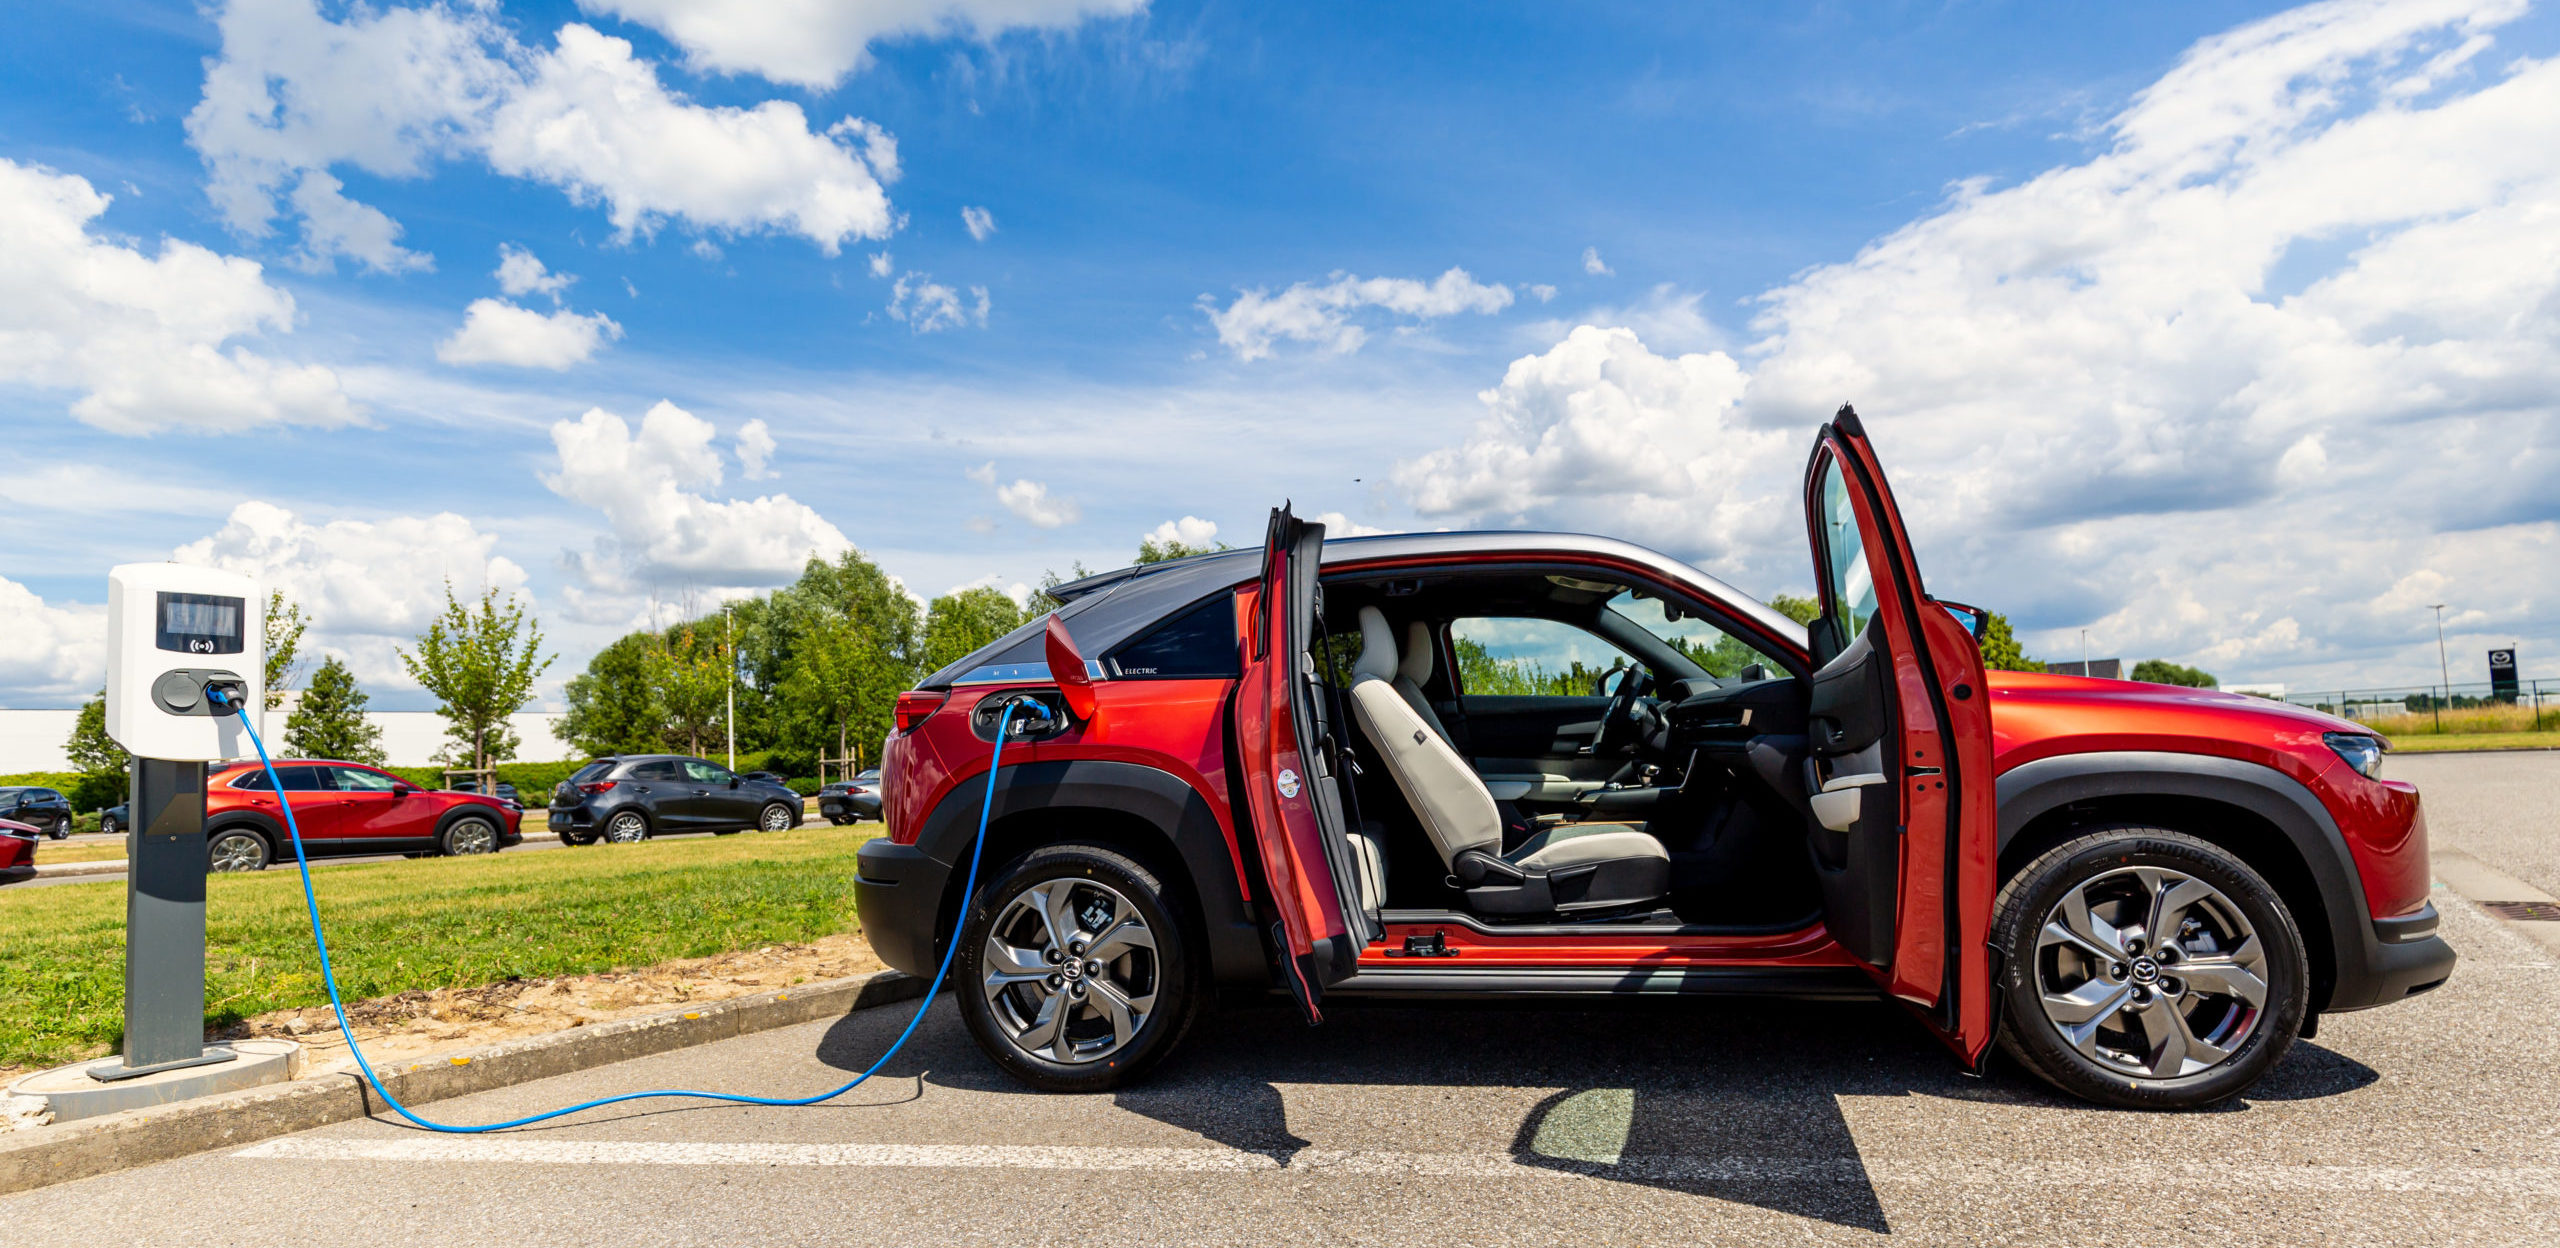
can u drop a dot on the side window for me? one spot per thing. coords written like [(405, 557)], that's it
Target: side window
[(1521, 656), (1843, 557), (1718, 652), (706, 773), (253, 780), (358, 780), (1200, 642), (303, 779), (662, 769)]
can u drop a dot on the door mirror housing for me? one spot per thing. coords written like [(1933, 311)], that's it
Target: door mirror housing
[(402, 788), (1975, 619), (733, 782)]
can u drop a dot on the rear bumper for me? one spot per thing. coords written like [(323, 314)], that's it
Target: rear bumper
[(897, 892)]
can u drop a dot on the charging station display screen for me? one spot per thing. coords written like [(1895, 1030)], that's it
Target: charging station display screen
[(200, 623)]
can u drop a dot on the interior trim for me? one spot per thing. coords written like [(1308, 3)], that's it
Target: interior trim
[(1810, 923)]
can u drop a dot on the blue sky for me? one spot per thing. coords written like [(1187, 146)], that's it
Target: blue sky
[(1684, 232)]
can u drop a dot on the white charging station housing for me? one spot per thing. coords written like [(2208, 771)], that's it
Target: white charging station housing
[(171, 628)]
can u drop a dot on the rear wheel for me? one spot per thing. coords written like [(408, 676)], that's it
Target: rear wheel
[(2147, 969), (1073, 972), (236, 850), (470, 834), (627, 827)]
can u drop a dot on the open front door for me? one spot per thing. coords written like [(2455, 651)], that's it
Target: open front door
[(1901, 754), (1317, 926)]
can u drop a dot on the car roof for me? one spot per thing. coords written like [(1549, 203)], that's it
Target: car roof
[(1107, 608)]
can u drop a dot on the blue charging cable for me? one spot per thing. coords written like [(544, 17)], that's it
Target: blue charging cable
[(320, 940)]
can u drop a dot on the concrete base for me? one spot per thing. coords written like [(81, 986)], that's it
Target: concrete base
[(72, 1094)]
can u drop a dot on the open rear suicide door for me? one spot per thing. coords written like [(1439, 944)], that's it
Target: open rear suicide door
[(1290, 763), (1919, 898)]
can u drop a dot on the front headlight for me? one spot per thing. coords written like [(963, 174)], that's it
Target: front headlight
[(2361, 752)]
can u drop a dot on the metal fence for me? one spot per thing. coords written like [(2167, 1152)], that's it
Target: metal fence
[(2529, 705)]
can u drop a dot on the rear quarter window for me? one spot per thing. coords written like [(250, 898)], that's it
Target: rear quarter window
[(1200, 642), (592, 771)]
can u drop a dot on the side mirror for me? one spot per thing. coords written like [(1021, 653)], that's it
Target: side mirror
[(1975, 619), (733, 782), (402, 788)]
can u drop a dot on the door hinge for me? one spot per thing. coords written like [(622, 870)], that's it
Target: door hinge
[(1430, 945)]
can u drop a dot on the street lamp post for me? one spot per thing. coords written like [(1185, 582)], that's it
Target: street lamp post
[(2444, 666), (729, 686)]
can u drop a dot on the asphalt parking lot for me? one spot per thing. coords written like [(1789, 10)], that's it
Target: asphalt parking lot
[(2435, 1121)]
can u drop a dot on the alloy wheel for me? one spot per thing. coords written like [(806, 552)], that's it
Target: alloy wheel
[(626, 828), (2150, 971), (777, 818), (238, 851), (1070, 971), (471, 836)]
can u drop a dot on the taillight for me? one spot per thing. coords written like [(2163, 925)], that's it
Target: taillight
[(916, 705), (597, 786)]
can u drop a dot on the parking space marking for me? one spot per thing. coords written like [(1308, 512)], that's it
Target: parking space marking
[(1651, 1169)]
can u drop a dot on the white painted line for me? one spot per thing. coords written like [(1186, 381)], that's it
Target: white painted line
[(1658, 1168)]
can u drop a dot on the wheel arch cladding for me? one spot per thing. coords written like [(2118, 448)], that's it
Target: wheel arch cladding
[(2264, 817), (1145, 812)]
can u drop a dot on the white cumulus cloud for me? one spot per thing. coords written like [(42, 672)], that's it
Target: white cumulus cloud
[(926, 305), (1030, 500), (648, 484), (495, 331), (334, 225), (50, 655), (2283, 348), (1321, 314), (1187, 531), (981, 222), (755, 449), (815, 43), (1592, 264), (395, 90), (150, 342), (521, 273)]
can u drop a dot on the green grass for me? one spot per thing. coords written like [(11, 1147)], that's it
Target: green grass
[(425, 923), (2451, 743), (51, 852)]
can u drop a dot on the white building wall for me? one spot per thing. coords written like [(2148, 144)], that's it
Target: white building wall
[(33, 740)]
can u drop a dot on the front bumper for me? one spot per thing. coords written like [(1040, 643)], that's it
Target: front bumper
[(2401, 958), (897, 892)]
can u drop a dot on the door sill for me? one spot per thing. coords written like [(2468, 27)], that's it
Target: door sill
[(1800, 983), (1660, 923)]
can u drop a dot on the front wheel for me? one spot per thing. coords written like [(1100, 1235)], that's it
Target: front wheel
[(626, 828), (2147, 969), (237, 850), (1073, 971), (107, 827), (777, 817), (470, 835)]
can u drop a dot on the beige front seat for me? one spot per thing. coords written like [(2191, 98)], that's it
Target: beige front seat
[(1564, 869)]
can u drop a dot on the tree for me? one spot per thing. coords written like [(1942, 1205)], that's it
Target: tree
[(1151, 550), (613, 705), (958, 623), (285, 623), (329, 721), (2000, 649), (2164, 672), (480, 665), (1801, 610), (830, 653), (690, 679), (96, 756)]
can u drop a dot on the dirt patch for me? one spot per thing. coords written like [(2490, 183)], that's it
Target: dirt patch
[(414, 1024)]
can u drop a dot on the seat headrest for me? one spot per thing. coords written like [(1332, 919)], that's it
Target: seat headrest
[(1377, 646), (1417, 653)]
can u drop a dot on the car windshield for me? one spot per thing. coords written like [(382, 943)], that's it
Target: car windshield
[(1711, 648)]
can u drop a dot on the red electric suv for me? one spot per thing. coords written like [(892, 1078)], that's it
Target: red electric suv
[(343, 809), (1500, 765)]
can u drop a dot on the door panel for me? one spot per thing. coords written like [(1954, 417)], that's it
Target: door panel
[(370, 809), (1919, 693), (1317, 926), (317, 808), (1556, 731), (715, 797)]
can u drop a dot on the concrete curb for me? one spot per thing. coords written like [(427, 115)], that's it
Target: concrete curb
[(104, 866), (93, 1146)]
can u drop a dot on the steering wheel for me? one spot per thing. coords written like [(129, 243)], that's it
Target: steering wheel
[(1629, 713)]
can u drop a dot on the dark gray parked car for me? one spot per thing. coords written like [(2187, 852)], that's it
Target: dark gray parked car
[(39, 808), (843, 801), (636, 796)]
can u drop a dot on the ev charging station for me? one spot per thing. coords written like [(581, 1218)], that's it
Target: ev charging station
[(185, 645)]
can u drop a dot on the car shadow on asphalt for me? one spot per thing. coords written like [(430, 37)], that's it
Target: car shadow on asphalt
[(1736, 1101)]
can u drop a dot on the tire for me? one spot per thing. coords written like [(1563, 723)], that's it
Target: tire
[(839, 820), (2147, 1027), (107, 827), (469, 834), (777, 817), (1009, 1012), (61, 829), (237, 849), (627, 827)]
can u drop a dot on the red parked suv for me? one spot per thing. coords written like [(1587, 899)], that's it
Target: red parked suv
[(343, 809), (1499, 765)]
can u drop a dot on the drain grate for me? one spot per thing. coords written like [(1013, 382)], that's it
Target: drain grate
[(2531, 911)]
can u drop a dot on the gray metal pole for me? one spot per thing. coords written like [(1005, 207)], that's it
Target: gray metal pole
[(2444, 668), (164, 923)]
